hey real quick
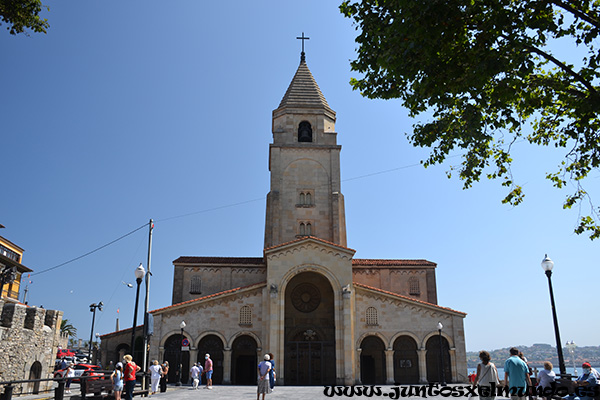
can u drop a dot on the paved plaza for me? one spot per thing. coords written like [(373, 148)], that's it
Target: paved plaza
[(249, 392)]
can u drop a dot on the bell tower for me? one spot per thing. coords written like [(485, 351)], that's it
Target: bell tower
[(304, 160)]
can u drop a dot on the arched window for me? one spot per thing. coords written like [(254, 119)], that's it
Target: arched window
[(304, 132), (413, 286), (245, 315), (308, 199), (372, 316), (196, 285), (308, 229), (302, 199), (302, 229)]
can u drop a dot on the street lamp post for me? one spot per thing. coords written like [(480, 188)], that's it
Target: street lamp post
[(571, 346), (547, 265), (97, 347), (139, 275), (93, 308), (442, 373), (180, 366)]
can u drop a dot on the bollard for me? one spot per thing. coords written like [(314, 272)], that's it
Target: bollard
[(8, 391), (59, 392)]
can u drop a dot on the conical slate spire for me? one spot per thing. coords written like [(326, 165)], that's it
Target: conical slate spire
[(303, 91)]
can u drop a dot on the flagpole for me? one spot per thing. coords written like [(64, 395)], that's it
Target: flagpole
[(146, 305)]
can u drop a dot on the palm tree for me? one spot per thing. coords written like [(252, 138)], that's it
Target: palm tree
[(68, 328)]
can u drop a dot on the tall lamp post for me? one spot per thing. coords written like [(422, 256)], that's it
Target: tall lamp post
[(571, 346), (139, 275), (547, 265), (93, 308), (180, 366), (442, 373)]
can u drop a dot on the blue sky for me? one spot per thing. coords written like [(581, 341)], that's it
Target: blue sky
[(126, 111)]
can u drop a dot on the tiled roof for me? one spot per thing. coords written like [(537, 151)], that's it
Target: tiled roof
[(255, 285), (303, 91), (390, 263), (308, 237), (220, 260), (406, 298)]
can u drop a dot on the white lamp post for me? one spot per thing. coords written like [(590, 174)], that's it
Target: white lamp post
[(571, 346), (442, 373), (180, 366)]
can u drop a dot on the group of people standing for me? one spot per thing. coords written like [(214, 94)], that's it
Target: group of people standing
[(266, 376), (197, 371), (517, 376), (124, 377)]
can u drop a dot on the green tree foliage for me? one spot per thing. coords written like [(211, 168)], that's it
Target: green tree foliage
[(484, 72), (68, 328), (22, 14)]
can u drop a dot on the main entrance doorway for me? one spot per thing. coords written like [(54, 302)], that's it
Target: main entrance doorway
[(309, 331)]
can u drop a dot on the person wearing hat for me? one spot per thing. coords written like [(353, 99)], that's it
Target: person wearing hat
[(586, 384), (264, 386), (117, 380)]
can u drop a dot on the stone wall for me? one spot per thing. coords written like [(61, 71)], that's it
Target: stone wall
[(29, 338)]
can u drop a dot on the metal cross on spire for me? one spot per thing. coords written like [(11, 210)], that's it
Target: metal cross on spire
[(303, 38)]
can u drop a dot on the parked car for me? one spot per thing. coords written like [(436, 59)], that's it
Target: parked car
[(80, 369), (65, 353), (81, 357)]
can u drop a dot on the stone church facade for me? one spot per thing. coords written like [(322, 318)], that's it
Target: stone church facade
[(327, 317)]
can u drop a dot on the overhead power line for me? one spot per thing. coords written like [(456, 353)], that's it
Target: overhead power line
[(90, 252)]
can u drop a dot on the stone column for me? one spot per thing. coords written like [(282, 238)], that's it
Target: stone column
[(422, 352), (452, 361), (389, 366), (357, 380), (193, 355), (227, 366), (347, 329)]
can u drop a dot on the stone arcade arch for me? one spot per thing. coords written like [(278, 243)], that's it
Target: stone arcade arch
[(173, 355), (372, 361), (406, 360), (244, 360), (213, 345), (433, 359), (309, 330)]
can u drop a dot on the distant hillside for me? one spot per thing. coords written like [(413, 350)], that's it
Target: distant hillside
[(538, 353)]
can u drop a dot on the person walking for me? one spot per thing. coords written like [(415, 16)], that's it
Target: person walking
[(263, 378), (155, 374), (486, 375), (117, 380), (195, 373), (165, 377), (208, 370), (69, 374), (129, 370), (516, 376)]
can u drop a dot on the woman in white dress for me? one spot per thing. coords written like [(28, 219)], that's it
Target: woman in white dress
[(155, 374)]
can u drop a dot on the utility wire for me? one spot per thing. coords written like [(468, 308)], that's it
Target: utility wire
[(90, 252)]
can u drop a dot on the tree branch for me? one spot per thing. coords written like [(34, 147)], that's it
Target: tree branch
[(576, 12), (564, 67)]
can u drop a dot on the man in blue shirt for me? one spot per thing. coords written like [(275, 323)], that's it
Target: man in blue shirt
[(516, 376)]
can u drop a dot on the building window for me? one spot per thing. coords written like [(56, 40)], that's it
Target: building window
[(196, 285), (372, 316), (305, 198), (245, 315), (302, 230), (304, 132), (413, 286), (308, 229)]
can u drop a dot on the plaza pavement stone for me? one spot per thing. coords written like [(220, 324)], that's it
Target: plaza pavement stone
[(230, 392)]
